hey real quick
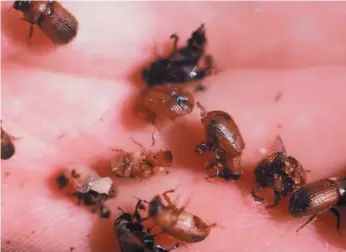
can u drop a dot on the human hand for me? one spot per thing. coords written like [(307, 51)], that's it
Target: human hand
[(72, 104)]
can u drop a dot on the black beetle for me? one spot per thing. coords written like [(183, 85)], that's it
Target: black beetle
[(133, 236), (182, 64), (281, 172)]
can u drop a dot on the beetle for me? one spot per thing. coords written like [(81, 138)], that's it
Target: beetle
[(182, 64), (281, 172), (58, 24), (166, 101), (7, 145), (177, 222), (223, 138), (141, 163), (318, 197), (133, 236), (89, 187)]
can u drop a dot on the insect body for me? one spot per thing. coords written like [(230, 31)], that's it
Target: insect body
[(53, 19), (166, 101), (7, 146), (89, 187), (281, 172), (133, 236), (140, 164), (176, 221), (182, 64), (225, 140), (318, 197)]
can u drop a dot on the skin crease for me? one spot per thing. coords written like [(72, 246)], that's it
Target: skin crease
[(72, 104)]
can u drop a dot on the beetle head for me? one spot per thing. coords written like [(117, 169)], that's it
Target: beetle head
[(197, 39), (21, 5), (155, 206)]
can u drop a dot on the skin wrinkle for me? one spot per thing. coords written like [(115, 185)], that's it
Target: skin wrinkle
[(259, 57)]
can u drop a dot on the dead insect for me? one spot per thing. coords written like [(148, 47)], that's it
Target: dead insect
[(167, 101), (7, 145), (281, 172), (51, 17), (225, 140), (89, 187), (133, 236), (318, 197), (176, 221), (182, 64), (143, 163)]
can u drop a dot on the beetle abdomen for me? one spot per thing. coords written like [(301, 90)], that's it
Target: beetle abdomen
[(59, 25), (313, 198)]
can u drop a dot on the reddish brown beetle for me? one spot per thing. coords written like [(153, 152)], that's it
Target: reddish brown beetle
[(7, 146), (318, 197), (177, 222), (51, 17), (142, 164), (167, 101), (225, 140), (281, 172)]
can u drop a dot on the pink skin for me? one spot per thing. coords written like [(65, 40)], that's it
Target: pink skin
[(260, 50)]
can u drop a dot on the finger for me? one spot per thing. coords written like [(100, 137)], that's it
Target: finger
[(247, 226)]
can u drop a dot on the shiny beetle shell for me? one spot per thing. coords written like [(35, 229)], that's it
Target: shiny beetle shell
[(221, 130), (168, 101), (7, 146), (51, 17), (176, 222), (317, 197)]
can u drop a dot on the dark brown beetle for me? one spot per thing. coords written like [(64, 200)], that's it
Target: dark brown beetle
[(182, 64), (133, 236), (7, 145), (89, 187), (281, 172), (142, 164), (167, 101), (176, 221), (53, 19), (225, 140), (318, 197)]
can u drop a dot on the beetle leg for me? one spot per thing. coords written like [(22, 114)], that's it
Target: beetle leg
[(338, 218), (152, 138), (312, 218), (174, 247), (167, 198), (279, 145), (136, 214), (277, 198), (255, 190), (202, 108), (137, 143), (31, 32), (175, 42)]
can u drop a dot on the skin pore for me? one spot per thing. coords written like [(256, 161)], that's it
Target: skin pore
[(280, 70)]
